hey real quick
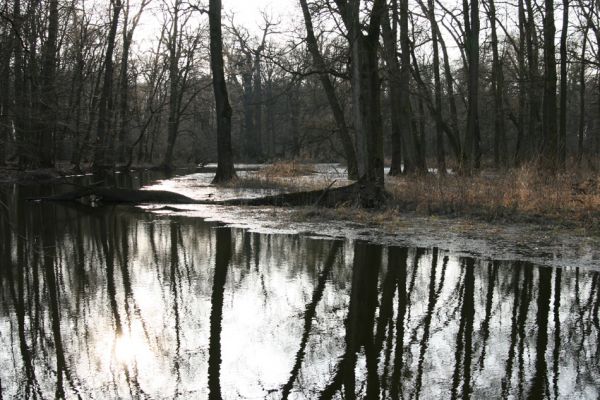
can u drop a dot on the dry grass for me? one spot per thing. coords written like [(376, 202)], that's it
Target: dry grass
[(517, 195), (521, 193), (286, 169), (285, 175)]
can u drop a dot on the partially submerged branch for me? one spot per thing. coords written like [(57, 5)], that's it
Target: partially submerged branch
[(357, 194)]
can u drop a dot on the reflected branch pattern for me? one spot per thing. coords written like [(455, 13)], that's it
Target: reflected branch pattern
[(123, 304)]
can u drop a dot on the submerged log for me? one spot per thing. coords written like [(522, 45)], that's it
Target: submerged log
[(119, 195), (355, 194)]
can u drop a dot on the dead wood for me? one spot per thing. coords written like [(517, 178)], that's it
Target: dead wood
[(120, 195), (355, 194)]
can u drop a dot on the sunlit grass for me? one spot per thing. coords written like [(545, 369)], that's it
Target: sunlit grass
[(520, 194)]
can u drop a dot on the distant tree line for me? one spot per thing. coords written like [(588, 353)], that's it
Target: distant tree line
[(416, 84)]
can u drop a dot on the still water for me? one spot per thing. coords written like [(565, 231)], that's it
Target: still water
[(115, 302)]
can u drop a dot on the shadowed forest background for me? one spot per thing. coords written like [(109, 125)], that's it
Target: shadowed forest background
[(472, 84)]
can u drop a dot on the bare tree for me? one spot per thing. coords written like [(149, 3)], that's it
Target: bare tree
[(364, 45), (225, 169), (500, 146), (562, 135), (334, 104), (105, 103), (549, 146), (471, 150)]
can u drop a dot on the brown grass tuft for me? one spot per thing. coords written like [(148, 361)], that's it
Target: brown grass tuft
[(521, 193), (287, 169)]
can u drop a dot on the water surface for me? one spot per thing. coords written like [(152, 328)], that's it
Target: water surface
[(115, 302)]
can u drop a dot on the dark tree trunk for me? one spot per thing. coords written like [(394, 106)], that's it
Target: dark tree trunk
[(105, 102), (366, 99), (174, 88), (472, 152), (533, 119), (20, 108), (521, 145), (124, 82), (562, 136), (410, 145), (225, 169), (549, 147), (500, 146), (334, 104), (390, 47), (451, 128), (48, 98), (249, 131), (257, 101), (78, 76), (5, 54), (581, 128), (439, 135)]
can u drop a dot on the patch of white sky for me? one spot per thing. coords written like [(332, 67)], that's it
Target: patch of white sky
[(247, 14)]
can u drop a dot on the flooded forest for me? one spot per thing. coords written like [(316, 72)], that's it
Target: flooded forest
[(299, 199)]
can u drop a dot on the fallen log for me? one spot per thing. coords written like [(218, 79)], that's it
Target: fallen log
[(353, 194), (120, 195)]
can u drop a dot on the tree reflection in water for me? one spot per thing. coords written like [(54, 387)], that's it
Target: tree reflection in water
[(117, 303)]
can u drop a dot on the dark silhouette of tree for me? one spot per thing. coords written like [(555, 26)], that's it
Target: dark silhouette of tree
[(549, 128), (336, 109), (225, 169), (105, 106)]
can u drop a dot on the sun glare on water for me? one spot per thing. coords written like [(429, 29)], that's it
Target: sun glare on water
[(126, 349)]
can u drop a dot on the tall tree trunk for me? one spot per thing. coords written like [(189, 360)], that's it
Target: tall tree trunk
[(105, 102), (258, 104), (437, 83), (334, 104), (5, 54), (48, 107), (390, 49), (549, 147), (581, 128), (366, 100), (225, 169), (562, 136), (500, 146), (248, 96), (20, 108), (174, 88), (124, 80), (78, 76), (271, 148), (472, 151), (410, 145), (521, 145), (451, 129), (533, 119)]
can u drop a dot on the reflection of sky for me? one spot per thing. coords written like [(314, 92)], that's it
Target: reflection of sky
[(269, 283)]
